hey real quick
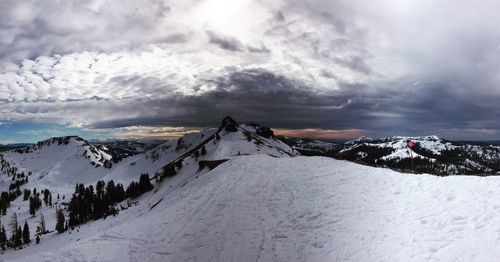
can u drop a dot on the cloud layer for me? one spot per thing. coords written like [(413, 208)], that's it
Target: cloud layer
[(378, 69)]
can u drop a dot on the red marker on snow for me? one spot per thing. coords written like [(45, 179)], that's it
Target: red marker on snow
[(410, 145)]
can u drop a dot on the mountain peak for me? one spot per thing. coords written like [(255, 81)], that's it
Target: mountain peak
[(228, 124), (56, 140)]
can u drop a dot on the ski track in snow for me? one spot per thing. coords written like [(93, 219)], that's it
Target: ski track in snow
[(260, 208)]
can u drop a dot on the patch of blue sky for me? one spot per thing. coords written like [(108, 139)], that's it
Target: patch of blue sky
[(30, 132)]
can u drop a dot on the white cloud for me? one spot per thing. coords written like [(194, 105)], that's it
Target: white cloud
[(87, 62), (122, 52)]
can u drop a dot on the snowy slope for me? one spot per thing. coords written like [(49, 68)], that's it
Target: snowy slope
[(261, 208), (151, 161), (120, 149), (58, 164), (58, 161), (431, 155), (244, 141)]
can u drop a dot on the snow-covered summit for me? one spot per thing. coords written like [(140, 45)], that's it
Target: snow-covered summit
[(231, 139), (57, 161), (430, 154)]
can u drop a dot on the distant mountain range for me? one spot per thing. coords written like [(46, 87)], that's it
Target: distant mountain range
[(431, 154)]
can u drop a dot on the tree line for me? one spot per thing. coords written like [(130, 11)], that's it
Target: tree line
[(92, 203)]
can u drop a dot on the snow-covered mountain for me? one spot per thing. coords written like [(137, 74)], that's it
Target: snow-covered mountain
[(60, 163), (229, 140), (311, 147), (262, 208), (431, 154), (56, 161), (8, 147), (238, 193), (120, 149)]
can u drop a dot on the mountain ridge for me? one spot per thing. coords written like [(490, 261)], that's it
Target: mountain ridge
[(431, 154)]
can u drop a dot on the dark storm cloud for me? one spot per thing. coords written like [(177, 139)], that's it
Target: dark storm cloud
[(262, 96), (274, 100), (257, 95)]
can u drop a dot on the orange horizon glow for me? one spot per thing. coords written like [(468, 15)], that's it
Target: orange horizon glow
[(320, 133)]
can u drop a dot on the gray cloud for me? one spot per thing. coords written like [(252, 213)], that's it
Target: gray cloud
[(29, 29), (263, 96), (261, 49), (225, 42), (232, 44), (355, 63), (390, 68)]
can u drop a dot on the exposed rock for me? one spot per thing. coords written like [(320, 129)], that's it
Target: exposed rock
[(229, 124)]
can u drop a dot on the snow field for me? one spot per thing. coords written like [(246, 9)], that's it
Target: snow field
[(261, 208)]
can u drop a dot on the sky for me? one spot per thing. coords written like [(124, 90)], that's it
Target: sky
[(318, 68)]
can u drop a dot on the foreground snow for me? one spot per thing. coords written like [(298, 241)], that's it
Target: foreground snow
[(261, 208)]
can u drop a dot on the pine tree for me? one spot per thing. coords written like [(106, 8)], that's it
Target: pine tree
[(35, 204), (18, 191), (178, 164), (27, 194), (19, 237), (119, 193), (196, 155), (46, 193), (203, 150), (132, 190), (4, 202), (170, 170), (99, 188), (32, 206), (26, 233), (109, 192), (144, 183), (3, 238), (60, 221), (73, 219)]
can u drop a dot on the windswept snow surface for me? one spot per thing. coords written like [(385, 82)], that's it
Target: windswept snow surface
[(261, 208)]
